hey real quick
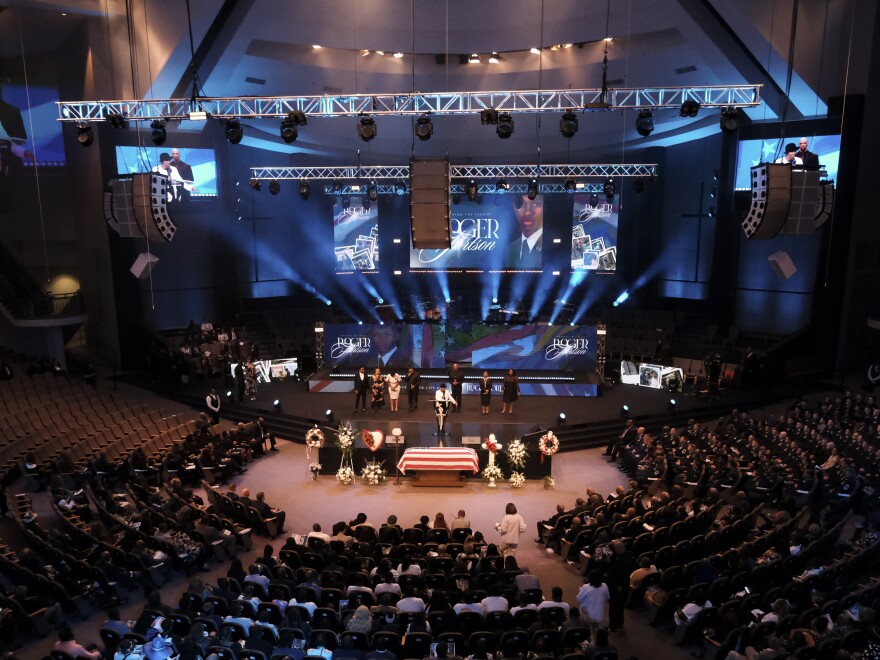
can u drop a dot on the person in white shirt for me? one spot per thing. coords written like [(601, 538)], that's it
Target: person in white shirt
[(316, 533), (510, 528), (442, 400), (174, 179), (790, 157)]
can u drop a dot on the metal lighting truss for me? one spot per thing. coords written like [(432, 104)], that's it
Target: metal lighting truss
[(458, 189), (436, 103)]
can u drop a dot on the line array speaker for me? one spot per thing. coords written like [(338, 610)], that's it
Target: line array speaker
[(429, 203)]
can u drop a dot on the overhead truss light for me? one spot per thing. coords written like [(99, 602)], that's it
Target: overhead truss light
[(424, 128), (489, 116), (494, 58), (689, 108), (289, 124), (568, 125), (470, 190), (645, 123), (367, 128), (570, 185), (729, 120), (609, 188), (274, 187), (158, 133), (501, 185), (234, 131), (372, 192), (304, 189), (505, 125), (85, 134), (532, 191), (115, 119), (256, 184)]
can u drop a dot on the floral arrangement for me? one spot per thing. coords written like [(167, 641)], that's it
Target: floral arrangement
[(548, 444), (345, 475), (372, 439), (345, 438), (315, 438), (492, 444), (374, 473), (548, 481), (492, 472), (516, 453), (314, 468), (517, 479)]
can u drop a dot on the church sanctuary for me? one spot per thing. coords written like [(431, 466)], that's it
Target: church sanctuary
[(411, 329)]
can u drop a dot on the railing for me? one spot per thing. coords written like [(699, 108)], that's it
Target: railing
[(66, 304)]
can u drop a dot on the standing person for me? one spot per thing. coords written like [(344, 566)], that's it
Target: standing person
[(393, 379), (510, 527), (591, 598), (250, 380), (413, 380), (622, 566), (175, 181), (456, 378), (184, 169), (810, 160), (361, 386), (442, 401), (377, 391), (509, 391), (485, 392), (239, 379), (213, 403), (790, 156)]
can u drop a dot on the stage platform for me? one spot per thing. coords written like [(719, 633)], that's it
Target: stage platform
[(531, 383)]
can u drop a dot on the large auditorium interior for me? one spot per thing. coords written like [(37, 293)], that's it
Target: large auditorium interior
[(387, 329)]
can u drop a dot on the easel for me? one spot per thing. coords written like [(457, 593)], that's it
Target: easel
[(396, 439)]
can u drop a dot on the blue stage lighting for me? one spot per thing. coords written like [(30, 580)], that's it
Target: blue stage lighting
[(448, 299), (494, 301), (622, 298), (328, 302)]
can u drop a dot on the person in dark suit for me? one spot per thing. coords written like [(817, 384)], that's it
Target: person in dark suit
[(525, 251), (413, 379), (361, 387), (456, 379), (626, 436), (485, 392), (810, 160), (184, 169)]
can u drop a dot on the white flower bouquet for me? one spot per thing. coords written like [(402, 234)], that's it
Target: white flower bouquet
[(345, 475), (491, 472), (374, 473), (517, 454), (345, 438), (517, 479)]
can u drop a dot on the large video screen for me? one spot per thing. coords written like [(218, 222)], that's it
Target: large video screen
[(594, 234), (355, 236), (755, 152), (194, 171), (538, 346), (29, 130), (505, 232)]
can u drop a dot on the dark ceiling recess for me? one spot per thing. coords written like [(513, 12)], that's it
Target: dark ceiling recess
[(255, 81), (686, 69)]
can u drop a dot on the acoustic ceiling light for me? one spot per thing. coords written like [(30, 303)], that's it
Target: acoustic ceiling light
[(489, 116), (158, 134), (85, 134), (304, 189), (689, 108), (505, 125), (274, 187), (256, 184), (424, 128), (470, 189), (367, 128), (234, 131), (494, 58), (532, 190), (729, 120), (568, 125), (645, 123)]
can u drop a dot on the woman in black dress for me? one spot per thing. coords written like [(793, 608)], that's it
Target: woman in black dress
[(485, 392), (509, 391), (377, 390)]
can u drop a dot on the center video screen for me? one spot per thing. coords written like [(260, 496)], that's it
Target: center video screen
[(355, 236), (192, 171), (29, 132), (594, 233), (754, 152), (505, 232)]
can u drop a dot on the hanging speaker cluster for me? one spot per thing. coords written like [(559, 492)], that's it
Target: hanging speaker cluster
[(786, 200)]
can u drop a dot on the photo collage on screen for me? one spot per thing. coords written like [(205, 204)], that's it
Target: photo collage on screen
[(594, 233), (355, 236)]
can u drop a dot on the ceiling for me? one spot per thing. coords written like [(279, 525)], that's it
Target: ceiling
[(265, 48)]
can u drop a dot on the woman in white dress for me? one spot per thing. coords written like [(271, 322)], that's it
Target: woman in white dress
[(393, 379)]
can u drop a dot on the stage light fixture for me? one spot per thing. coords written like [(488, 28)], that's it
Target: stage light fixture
[(288, 129), (570, 185), (234, 131), (367, 128), (505, 125), (158, 134), (85, 135), (729, 120), (456, 198), (568, 125), (689, 108), (337, 187), (532, 191), (274, 187), (639, 184), (711, 212), (489, 116), (645, 123), (228, 394), (115, 119), (594, 200), (424, 128), (331, 419), (494, 58), (448, 300), (277, 405), (304, 189), (256, 184), (365, 202), (560, 421), (400, 187), (609, 188), (470, 190), (672, 405), (346, 202), (501, 185), (372, 192), (494, 301), (713, 193), (624, 410), (622, 298)]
